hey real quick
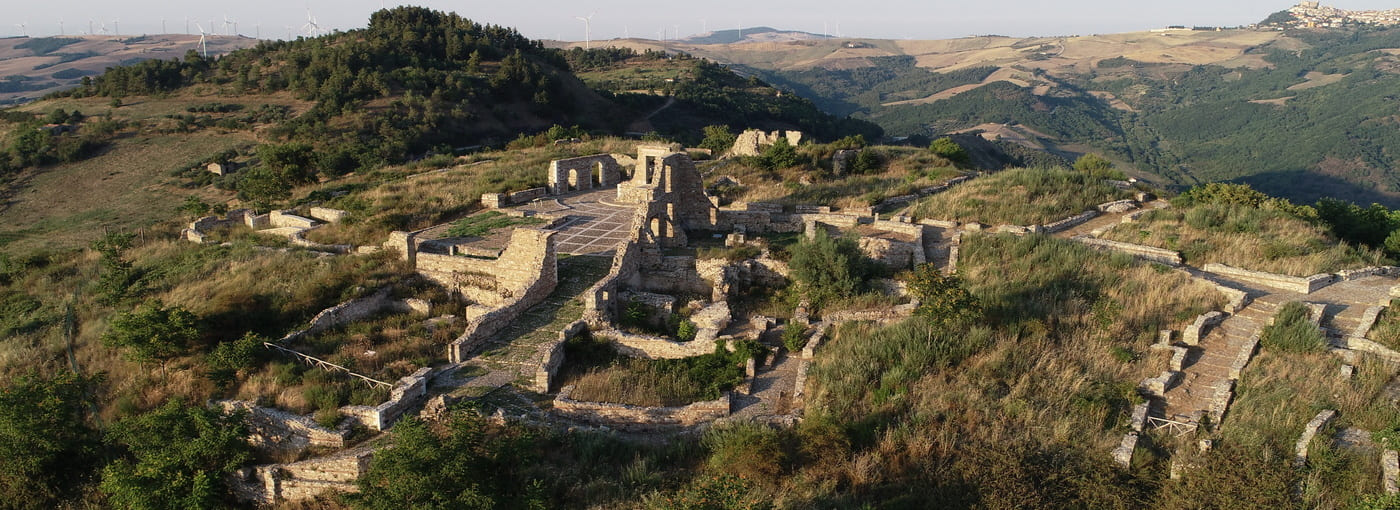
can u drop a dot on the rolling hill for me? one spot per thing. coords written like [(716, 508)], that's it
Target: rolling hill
[(1298, 113)]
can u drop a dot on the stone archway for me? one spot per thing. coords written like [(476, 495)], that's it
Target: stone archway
[(574, 182)]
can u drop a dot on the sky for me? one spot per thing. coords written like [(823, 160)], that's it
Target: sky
[(556, 19)]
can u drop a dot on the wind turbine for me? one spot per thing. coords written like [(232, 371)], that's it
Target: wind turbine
[(102, 27), (187, 25), (60, 26), (90, 32), (117, 26), (312, 29), (23, 28), (704, 26), (162, 25), (587, 30), (230, 22), (203, 47)]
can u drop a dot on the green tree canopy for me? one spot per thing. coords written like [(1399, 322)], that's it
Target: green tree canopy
[(826, 268), (942, 298), (718, 138), (779, 155), (950, 150), (177, 457), (152, 332), (462, 465), (48, 449)]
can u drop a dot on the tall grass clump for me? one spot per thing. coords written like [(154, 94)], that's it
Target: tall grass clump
[(1260, 238), (599, 374), (1024, 196), (1292, 331)]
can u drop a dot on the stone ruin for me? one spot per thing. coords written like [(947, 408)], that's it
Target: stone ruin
[(752, 142)]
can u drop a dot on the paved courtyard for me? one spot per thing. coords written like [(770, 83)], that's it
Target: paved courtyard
[(595, 226)]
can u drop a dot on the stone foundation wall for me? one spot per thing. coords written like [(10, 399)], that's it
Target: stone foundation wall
[(551, 356), (638, 418), (345, 313), (1300, 449), (280, 430), (409, 391), (1071, 222), (1149, 253), (1347, 275), (1193, 333), (1301, 285), (752, 142), (655, 347), (299, 481), (328, 215), (1120, 206), (281, 219)]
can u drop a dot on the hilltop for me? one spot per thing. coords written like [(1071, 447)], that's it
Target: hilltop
[(1296, 103), (32, 67)]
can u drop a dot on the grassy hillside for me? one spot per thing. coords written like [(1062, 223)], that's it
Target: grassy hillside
[(1269, 108)]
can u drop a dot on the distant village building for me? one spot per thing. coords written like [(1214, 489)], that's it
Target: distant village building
[(217, 168)]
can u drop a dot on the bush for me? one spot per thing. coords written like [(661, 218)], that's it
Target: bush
[(794, 337), (1292, 331), (825, 269), (950, 150)]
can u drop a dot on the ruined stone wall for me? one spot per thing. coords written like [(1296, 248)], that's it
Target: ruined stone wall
[(551, 356), (638, 418), (299, 481), (283, 431), (345, 313), (1301, 285), (752, 141), (602, 301), (1158, 255), (1071, 222), (583, 173), (1194, 333), (328, 215), (674, 275), (893, 254), (409, 391), (281, 219), (528, 270), (655, 347)]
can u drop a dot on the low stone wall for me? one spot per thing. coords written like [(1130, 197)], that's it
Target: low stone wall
[(1300, 285), (1300, 449), (1149, 253), (1193, 333), (893, 254), (883, 315), (1220, 402), (628, 417), (405, 394), (1370, 347), (345, 313), (1158, 386), (275, 429), (1245, 354), (328, 215), (1390, 472), (551, 356), (1071, 222), (1119, 206), (1347, 275), (655, 347), (299, 481), (282, 219)]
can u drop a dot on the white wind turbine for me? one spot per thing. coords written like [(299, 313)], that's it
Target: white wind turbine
[(312, 29), (102, 27), (203, 48), (228, 22), (587, 30), (23, 28), (60, 26), (117, 26)]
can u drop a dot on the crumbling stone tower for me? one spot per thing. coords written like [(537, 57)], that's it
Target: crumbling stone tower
[(667, 183)]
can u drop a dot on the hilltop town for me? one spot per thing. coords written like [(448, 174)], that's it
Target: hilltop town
[(1313, 14)]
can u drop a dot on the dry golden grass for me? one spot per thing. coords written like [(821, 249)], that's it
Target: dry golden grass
[(906, 171), (1019, 197), (413, 197), (1250, 238)]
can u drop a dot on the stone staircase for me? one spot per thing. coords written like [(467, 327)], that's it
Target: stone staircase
[(938, 247), (1210, 369)]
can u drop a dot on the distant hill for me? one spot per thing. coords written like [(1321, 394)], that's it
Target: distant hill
[(1298, 113), (755, 34), (31, 67)]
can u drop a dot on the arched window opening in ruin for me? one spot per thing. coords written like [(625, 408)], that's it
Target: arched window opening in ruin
[(657, 228), (573, 180), (598, 174), (649, 166)]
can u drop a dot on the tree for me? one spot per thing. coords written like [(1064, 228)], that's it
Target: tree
[(868, 160), (292, 161), (825, 269), (942, 298), (153, 332), (462, 465), (263, 187), (115, 273), (718, 138), (48, 448), (779, 155), (950, 150), (176, 457), (1097, 166), (223, 363)]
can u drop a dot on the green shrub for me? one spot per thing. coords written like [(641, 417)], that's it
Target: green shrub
[(1292, 331), (794, 337)]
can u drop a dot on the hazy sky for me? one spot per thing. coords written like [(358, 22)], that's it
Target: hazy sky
[(895, 19)]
